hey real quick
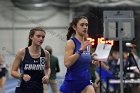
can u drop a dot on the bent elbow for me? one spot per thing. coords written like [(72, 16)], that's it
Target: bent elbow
[(13, 73), (67, 65)]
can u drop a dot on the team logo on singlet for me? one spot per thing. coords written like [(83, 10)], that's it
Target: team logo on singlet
[(36, 65)]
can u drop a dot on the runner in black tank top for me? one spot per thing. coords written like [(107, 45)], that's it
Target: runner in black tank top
[(34, 64), (35, 68)]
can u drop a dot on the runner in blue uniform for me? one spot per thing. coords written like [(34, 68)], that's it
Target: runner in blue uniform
[(34, 64), (77, 59)]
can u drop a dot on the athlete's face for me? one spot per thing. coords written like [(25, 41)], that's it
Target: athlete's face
[(82, 27), (38, 38)]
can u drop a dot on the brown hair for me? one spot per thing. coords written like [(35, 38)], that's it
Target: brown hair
[(32, 32), (74, 22)]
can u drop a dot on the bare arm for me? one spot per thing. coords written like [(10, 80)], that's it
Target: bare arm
[(47, 63), (45, 79), (70, 58), (103, 64), (16, 63)]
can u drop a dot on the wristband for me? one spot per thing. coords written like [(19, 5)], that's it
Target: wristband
[(79, 52)]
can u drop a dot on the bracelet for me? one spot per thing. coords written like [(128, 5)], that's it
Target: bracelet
[(79, 52)]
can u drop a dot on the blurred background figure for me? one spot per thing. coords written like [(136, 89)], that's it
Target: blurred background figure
[(3, 71), (54, 64), (114, 63)]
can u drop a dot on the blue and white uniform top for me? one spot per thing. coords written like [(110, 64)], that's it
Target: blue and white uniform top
[(80, 69)]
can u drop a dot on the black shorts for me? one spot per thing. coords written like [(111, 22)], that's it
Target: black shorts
[(3, 72), (27, 90)]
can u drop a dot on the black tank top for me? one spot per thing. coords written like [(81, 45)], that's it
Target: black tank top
[(33, 67)]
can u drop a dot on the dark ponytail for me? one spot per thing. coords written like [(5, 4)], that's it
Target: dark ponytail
[(71, 31), (74, 22)]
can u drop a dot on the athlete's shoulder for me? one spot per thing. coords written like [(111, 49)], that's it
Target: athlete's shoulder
[(70, 44), (47, 53), (21, 51), (70, 41)]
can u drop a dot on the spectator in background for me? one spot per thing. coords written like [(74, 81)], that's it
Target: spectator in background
[(54, 65), (114, 63), (3, 71)]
